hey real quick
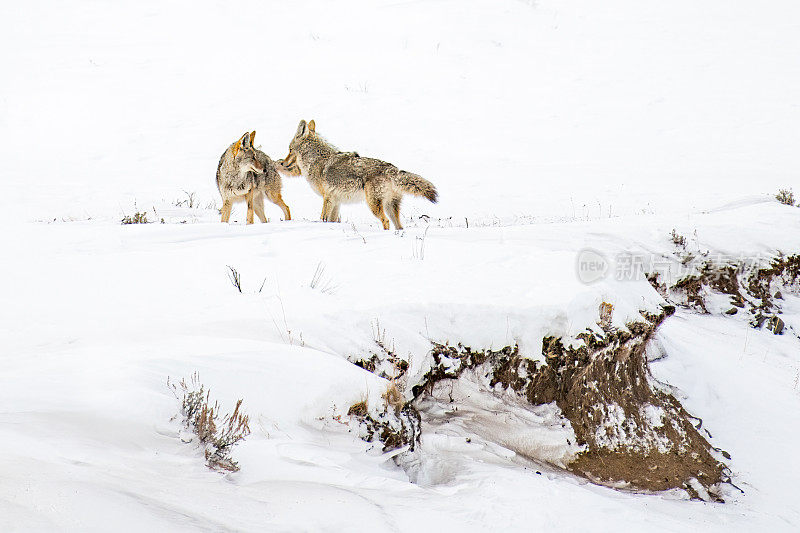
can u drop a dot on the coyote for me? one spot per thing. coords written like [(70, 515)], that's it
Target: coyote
[(346, 177), (246, 173)]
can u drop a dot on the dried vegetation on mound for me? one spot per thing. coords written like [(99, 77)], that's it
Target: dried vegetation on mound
[(752, 289), (634, 433)]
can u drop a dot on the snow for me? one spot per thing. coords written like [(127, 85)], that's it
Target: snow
[(501, 423), (744, 386), (654, 415), (549, 128)]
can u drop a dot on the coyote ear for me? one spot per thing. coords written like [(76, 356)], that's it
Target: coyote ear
[(253, 138), (312, 125), (301, 129), (245, 140)]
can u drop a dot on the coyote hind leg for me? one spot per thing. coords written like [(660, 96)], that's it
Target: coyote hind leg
[(277, 199), (376, 206), (393, 210)]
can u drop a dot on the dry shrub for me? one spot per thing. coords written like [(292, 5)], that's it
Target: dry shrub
[(136, 218), (678, 240), (785, 196), (201, 416)]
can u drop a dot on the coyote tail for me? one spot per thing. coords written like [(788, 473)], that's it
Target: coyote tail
[(416, 185)]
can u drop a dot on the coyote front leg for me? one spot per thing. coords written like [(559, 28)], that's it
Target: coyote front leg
[(334, 216), (249, 198), (327, 205), (226, 210), (258, 207)]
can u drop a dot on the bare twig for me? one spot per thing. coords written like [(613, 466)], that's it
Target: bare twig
[(235, 278)]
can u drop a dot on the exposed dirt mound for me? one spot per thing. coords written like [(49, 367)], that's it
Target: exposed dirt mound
[(635, 434)]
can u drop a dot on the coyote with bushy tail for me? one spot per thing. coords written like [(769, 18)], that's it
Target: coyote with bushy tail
[(246, 173), (346, 177)]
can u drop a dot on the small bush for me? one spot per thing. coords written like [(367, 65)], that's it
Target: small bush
[(190, 201), (137, 218), (785, 196), (678, 240), (201, 417)]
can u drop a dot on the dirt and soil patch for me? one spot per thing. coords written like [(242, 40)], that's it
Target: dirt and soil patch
[(634, 433)]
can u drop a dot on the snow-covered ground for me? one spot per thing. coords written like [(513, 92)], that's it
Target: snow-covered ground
[(548, 127)]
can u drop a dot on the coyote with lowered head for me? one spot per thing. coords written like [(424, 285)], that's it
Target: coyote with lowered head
[(346, 177), (246, 173)]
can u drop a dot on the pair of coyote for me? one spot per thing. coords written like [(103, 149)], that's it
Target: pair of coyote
[(246, 173)]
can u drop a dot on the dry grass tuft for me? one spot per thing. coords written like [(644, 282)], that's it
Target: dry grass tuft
[(606, 314), (319, 281), (236, 278), (358, 409), (394, 397)]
